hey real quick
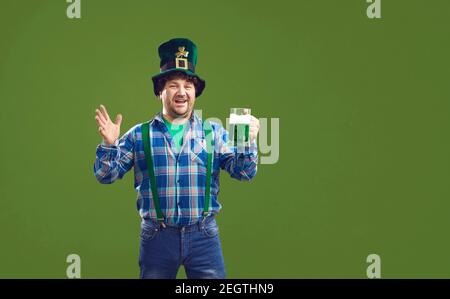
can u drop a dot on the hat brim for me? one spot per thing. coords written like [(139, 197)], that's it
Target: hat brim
[(200, 87)]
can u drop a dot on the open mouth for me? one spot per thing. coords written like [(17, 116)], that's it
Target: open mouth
[(180, 102)]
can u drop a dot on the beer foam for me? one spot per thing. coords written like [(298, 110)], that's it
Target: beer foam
[(240, 119)]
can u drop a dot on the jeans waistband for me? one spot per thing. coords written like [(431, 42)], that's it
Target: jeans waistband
[(192, 227)]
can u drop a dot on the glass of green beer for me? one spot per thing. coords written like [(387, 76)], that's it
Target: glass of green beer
[(239, 127)]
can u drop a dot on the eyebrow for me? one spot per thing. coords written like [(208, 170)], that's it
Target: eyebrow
[(175, 83)]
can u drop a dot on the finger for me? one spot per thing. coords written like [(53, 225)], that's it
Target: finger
[(255, 121), (102, 132), (246, 111), (100, 115), (100, 122), (254, 125), (255, 129), (118, 119), (105, 112)]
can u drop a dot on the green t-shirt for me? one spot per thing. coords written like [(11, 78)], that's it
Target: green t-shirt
[(176, 131)]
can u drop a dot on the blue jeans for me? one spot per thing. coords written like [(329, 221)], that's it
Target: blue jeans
[(196, 247)]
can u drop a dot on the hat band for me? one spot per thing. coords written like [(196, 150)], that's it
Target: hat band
[(178, 64)]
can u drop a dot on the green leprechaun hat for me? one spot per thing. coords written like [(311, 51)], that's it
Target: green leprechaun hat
[(178, 54)]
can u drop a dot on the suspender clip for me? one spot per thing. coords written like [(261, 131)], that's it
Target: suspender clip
[(161, 221), (205, 215)]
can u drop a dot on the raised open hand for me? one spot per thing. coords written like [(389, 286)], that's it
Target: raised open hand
[(108, 130)]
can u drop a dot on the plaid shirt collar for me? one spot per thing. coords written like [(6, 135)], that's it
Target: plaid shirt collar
[(194, 130)]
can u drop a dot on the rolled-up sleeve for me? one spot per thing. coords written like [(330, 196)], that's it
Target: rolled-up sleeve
[(240, 165), (113, 161)]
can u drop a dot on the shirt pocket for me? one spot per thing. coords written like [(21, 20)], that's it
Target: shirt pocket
[(198, 153)]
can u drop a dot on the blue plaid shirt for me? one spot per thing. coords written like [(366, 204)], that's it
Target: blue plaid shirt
[(180, 176)]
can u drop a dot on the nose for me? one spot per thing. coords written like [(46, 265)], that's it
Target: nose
[(181, 92)]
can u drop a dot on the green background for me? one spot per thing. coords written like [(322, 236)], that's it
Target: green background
[(364, 120)]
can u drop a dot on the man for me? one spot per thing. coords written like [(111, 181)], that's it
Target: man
[(177, 159)]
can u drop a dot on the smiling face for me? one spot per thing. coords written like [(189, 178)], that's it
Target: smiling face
[(178, 98)]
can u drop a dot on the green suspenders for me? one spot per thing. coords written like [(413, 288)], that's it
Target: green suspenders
[(210, 150), (151, 171), (150, 168)]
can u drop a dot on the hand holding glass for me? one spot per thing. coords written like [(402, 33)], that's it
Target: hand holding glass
[(239, 127)]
